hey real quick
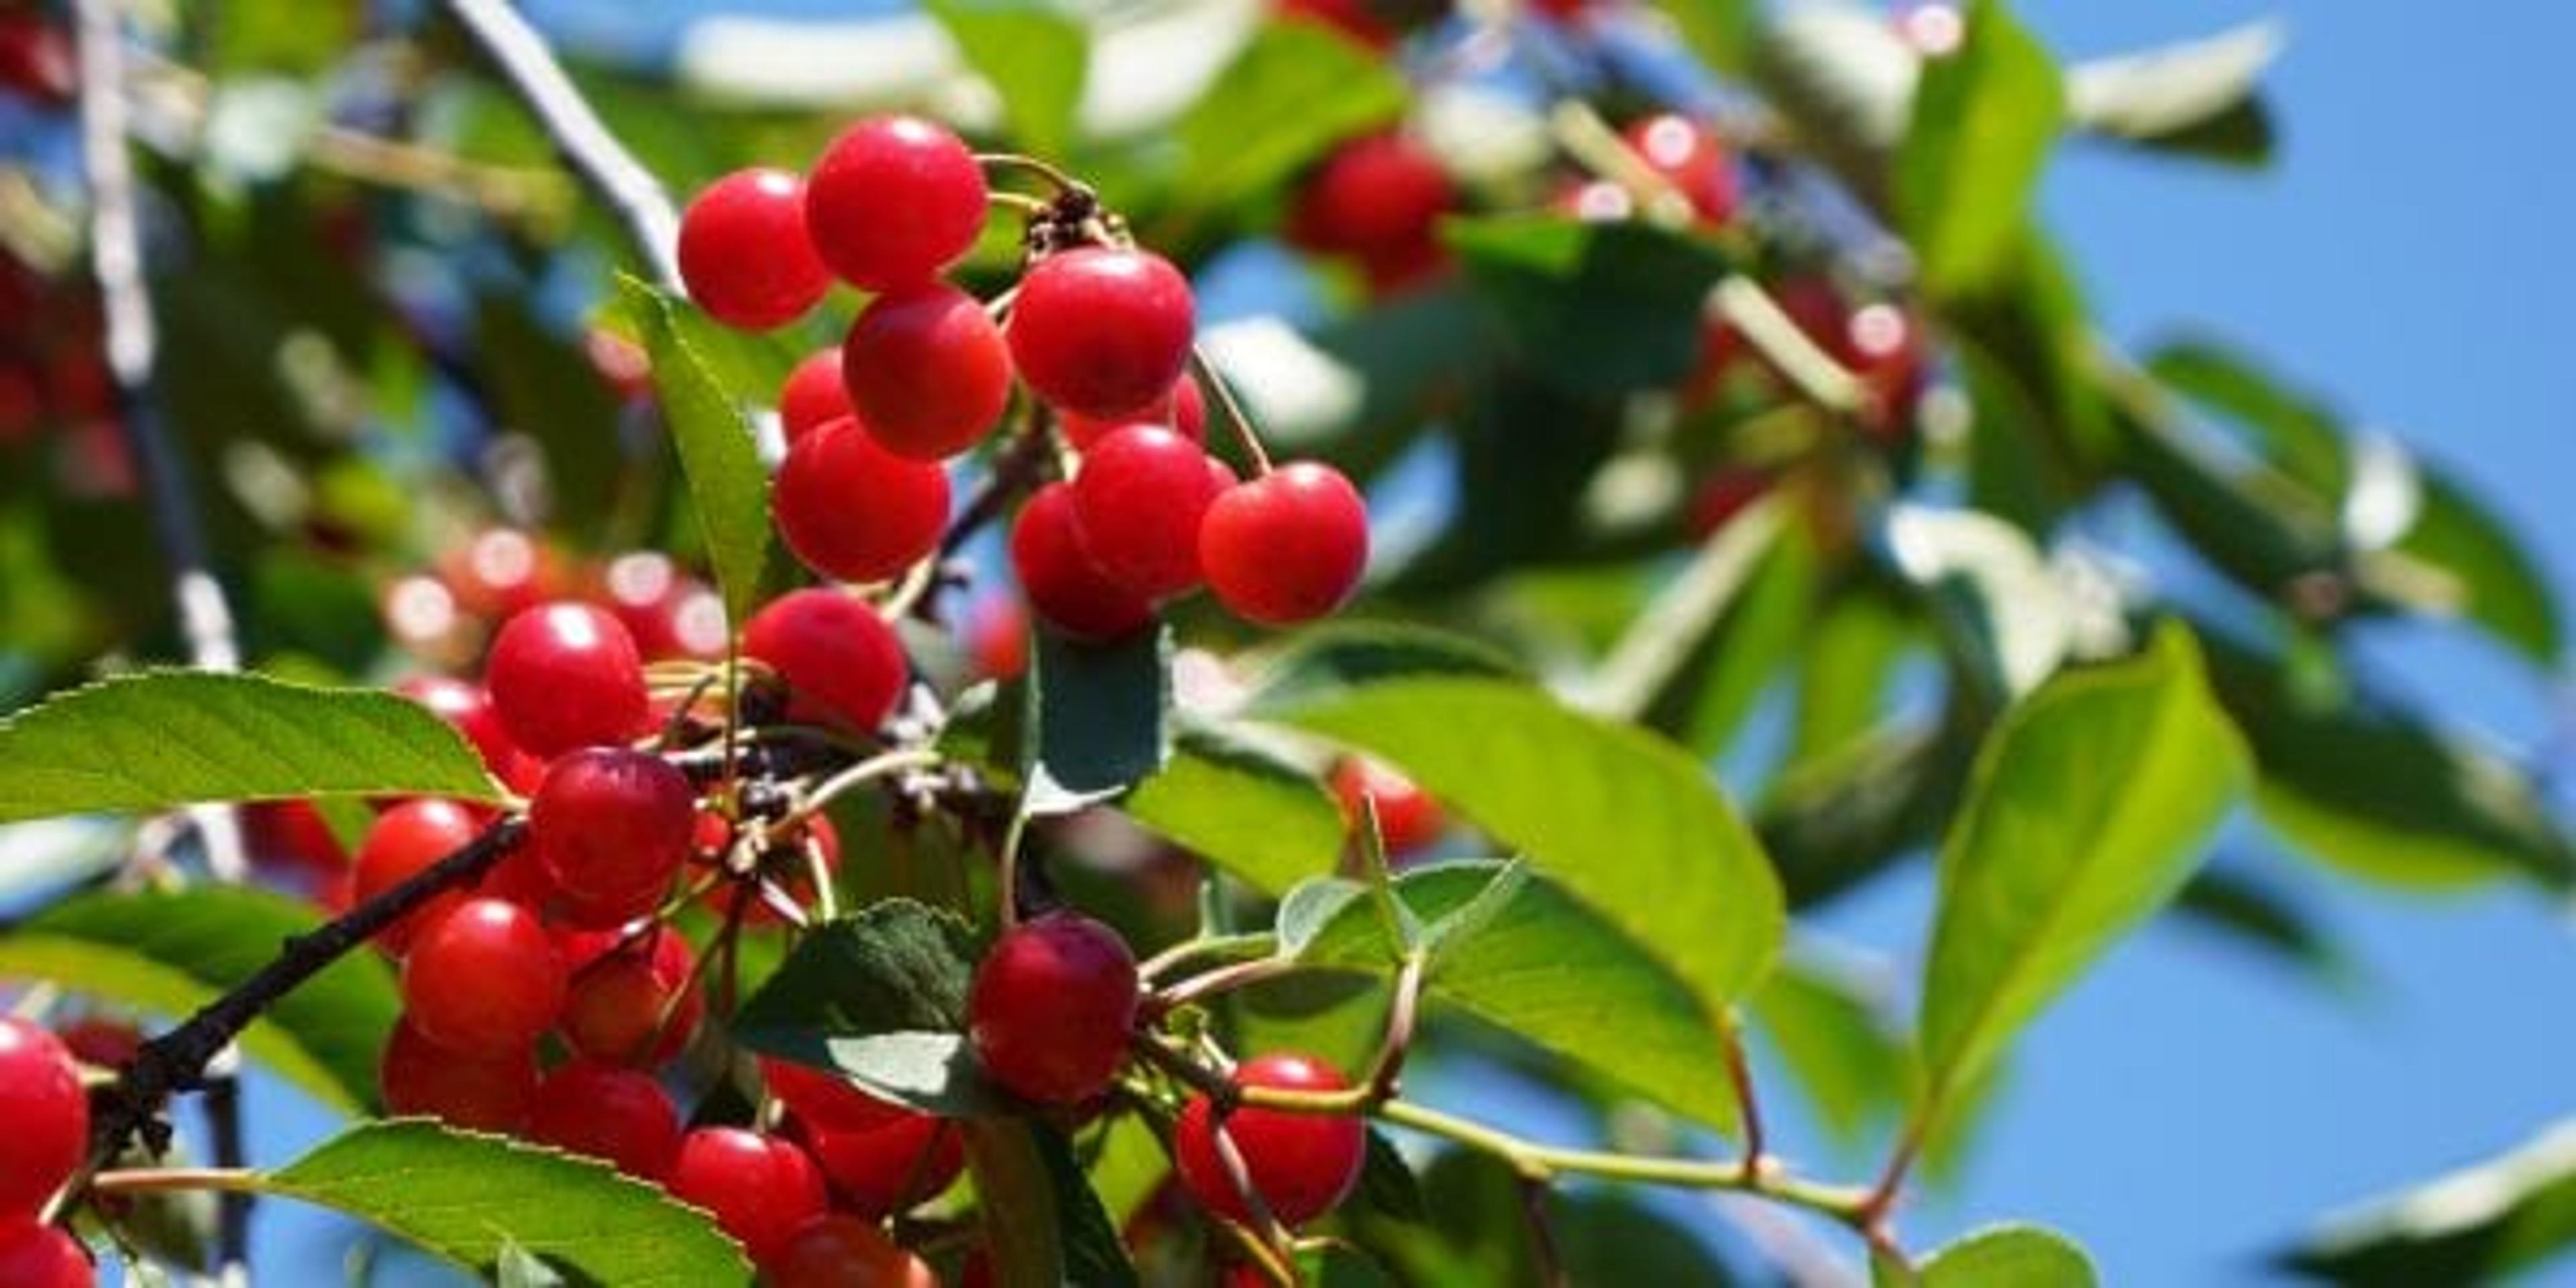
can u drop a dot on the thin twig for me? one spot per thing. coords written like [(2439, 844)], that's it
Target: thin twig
[(593, 153)]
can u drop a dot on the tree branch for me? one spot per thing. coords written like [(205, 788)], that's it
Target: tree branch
[(603, 163)]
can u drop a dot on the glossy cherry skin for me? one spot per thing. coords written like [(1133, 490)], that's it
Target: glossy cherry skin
[(1063, 585), (813, 395), (637, 1005), (566, 675), (843, 665), (1879, 342), (760, 1188), (402, 841), (1286, 547), (608, 1112), (43, 1256), (468, 709), (1183, 411), (743, 251), (824, 1100), (838, 1250), (671, 614), (1377, 199), (1301, 1164), (927, 371), (480, 1093), (850, 509), (1137, 503), (1102, 331), (997, 638), (893, 201), (1408, 820), (612, 827), (483, 980), (893, 1166), (43, 1112), (1052, 1006), (1692, 158)]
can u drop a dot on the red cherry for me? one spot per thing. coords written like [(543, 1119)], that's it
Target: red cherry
[(635, 1006), (1301, 1164), (853, 510), (1408, 820), (608, 1112), (1063, 584), (1286, 547), (1184, 412), (612, 827), (1137, 503), (1881, 343), (837, 1250), (997, 638), (1357, 19), (402, 841), (670, 613), (483, 980), (1376, 199), (894, 201), (813, 395), (759, 1188), (1100, 330), (503, 571), (1051, 1008), (468, 709), (744, 254), (893, 1166), (37, 59), (45, 1113), (291, 840), (927, 371), (842, 663), (1721, 496), (621, 363), (1692, 158), (566, 675), (101, 1042), (480, 1093), (825, 1100), (43, 1256)]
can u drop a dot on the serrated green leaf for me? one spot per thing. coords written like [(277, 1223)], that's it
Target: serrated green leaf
[(1242, 808), (2087, 811), (1595, 310), (1042, 1223), (464, 1197), (1984, 119), (1032, 55), (2479, 1224), (1604, 809), (879, 997), (1101, 715), (2009, 1256), (173, 953), (1293, 92), (1343, 655), (728, 489), (157, 739)]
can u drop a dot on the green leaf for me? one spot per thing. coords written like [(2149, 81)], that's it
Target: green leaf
[(465, 1197), (1293, 92), (1834, 821), (2199, 98), (2503, 587), (544, 386), (1668, 645), (1595, 310), (1102, 715), (879, 997), (175, 952), (2262, 917), (728, 489), (1033, 57), (2088, 809), (1387, 1183), (2287, 427), (1242, 808), (1719, 32), (1846, 663), (156, 739), (1042, 1223), (1984, 119), (1605, 809), (1346, 654), (2009, 1256), (1837, 1038), (520, 1268), (2480, 1224)]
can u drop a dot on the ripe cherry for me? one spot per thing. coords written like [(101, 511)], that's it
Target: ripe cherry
[(1137, 503), (824, 1100), (43, 1110), (290, 840), (1878, 342), (1051, 1008), (1301, 1164), (608, 1112), (483, 980), (1408, 820), (479, 1093), (1721, 496), (744, 253), (997, 638), (838, 1250), (1287, 546), (402, 841), (813, 395), (1375, 199), (759, 1188), (1692, 158), (1183, 411), (927, 371), (566, 675), (1063, 584), (842, 663), (893, 1166), (612, 827), (468, 709), (853, 510), (1101, 330), (894, 201), (1358, 19), (503, 571), (42, 1256), (637, 1005)]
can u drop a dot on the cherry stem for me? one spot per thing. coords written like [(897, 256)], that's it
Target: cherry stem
[(1744, 305), (1739, 1073), (172, 1180), (1233, 410), (1054, 175), (1008, 914), (1259, 944), (1019, 201), (1017, 467)]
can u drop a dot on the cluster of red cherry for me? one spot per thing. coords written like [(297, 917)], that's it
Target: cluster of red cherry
[(48, 1115)]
